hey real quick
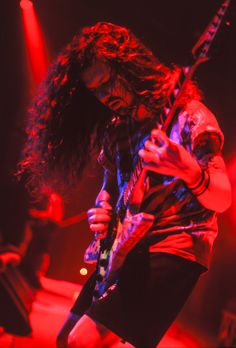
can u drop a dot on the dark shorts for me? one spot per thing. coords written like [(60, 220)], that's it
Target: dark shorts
[(151, 291)]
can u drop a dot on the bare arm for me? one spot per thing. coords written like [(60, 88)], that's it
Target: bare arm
[(54, 210)]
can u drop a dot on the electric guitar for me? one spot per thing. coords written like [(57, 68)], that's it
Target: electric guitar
[(110, 253)]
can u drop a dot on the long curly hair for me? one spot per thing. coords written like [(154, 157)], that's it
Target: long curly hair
[(66, 123)]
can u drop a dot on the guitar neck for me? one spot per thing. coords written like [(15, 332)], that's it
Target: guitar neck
[(165, 119), (199, 55)]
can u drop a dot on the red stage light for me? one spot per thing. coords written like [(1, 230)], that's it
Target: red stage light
[(36, 51), (26, 4)]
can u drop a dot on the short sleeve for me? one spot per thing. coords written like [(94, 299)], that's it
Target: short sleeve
[(205, 132)]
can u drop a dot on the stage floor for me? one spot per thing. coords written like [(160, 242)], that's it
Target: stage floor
[(51, 307)]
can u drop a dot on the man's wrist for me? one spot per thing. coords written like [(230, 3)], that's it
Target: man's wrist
[(193, 176), (201, 185)]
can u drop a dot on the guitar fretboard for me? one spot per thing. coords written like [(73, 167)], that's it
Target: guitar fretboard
[(163, 117)]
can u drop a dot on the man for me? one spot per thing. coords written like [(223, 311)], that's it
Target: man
[(184, 182), (45, 220)]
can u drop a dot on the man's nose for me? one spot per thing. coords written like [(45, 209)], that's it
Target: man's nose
[(103, 95), (107, 98)]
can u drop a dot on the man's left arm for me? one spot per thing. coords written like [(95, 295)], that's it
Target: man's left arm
[(53, 211)]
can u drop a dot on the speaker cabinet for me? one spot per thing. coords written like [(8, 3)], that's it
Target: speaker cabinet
[(16, 299)]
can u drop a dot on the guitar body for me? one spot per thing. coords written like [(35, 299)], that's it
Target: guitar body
[(128, 234), (16, 298)]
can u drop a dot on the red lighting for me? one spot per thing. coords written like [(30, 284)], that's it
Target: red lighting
[(37, 55), (26, 4), (231, 166), (228, 24)]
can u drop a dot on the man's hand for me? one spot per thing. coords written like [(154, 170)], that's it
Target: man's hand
[(9, 258), (99, 218), (166, 157)]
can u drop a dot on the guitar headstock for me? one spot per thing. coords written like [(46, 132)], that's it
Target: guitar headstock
[(202, 46)]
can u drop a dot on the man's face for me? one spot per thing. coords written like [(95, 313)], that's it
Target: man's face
[(110, 88)]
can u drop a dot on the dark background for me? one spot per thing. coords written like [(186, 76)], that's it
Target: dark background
[(170, 28)]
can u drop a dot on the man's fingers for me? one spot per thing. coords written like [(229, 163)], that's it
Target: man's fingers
[(149, 157), (105, 205), (149, 145), (100, 227), (99, 218), (159, 137), (100, 235), (94, 211)]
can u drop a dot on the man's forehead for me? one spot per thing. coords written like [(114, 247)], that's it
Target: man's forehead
[(96, 74)]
